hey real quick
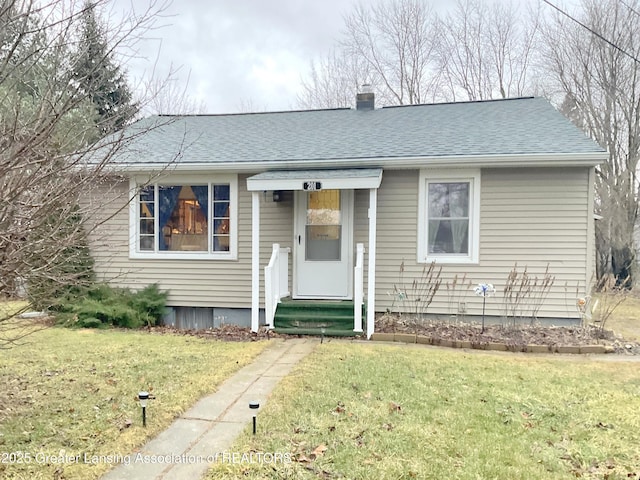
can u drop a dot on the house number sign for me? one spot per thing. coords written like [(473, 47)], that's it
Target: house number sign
[(312, 186)]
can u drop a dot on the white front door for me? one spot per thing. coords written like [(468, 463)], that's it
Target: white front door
[(323, 244)]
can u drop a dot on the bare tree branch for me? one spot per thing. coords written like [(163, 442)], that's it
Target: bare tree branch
[(597, 78), (49, 163), (487, 49)]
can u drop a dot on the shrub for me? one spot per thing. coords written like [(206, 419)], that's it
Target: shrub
[(524, 293), (418, 295), (150, 302), (108, 306)]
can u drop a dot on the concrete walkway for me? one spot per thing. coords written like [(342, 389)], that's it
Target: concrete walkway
[(211, 426)]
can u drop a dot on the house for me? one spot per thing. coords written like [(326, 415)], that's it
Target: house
[(232, 213)]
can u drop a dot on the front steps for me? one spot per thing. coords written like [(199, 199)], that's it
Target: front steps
[(309, 317)]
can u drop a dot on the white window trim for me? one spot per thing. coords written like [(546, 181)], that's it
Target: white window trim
[(134, 224), (440, 175)]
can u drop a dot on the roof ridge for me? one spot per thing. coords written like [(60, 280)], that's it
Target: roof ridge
[(463, 102), (250, 113), (275, 112)]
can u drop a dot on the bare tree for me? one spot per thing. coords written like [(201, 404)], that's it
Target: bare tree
[(397, 40), (595, 72), (333, 81), (168, 96), (47, 127), (487, 50), (482, 50)]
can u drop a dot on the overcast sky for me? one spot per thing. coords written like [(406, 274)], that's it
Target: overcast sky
[(242, 55)]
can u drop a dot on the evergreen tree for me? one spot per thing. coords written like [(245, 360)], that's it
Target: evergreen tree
[(99, 77)]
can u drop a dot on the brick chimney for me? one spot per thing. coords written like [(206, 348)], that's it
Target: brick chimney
[(365, 99)]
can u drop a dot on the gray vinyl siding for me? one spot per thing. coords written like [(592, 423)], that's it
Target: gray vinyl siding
[(529, 216)]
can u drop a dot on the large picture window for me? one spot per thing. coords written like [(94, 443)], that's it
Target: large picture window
[(449, 216), (186, 218)]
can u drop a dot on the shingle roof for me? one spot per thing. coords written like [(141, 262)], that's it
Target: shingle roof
[(524, 126)]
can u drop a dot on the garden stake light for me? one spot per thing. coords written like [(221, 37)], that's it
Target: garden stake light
[(143, 397), (254, 406)]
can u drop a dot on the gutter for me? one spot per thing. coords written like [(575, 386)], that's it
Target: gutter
[(591, 159)]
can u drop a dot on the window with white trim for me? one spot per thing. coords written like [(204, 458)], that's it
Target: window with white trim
[(448, 216), (185, 219)]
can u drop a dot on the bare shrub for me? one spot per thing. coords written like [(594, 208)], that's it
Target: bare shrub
[(612, 294), (416, 296), (524, 294), (456, 288)]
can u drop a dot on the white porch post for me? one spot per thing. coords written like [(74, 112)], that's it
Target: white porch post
[(371, 274), (255, 261)]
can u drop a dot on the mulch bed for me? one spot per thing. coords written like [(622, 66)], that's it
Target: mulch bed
[(519, 335), (229, 333)]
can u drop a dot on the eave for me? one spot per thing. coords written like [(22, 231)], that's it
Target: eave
[(589, 159)]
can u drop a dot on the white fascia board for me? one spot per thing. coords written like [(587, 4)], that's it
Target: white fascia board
[(297, 183), (479, 161)]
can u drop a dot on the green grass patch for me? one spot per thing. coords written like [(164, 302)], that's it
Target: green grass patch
[(75, 392), (362, 411)]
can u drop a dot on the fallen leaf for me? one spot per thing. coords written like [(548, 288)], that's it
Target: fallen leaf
[(394, 407), (318, 451), (126, 424)]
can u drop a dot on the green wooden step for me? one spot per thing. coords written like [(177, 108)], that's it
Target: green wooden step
[(308, 317), (330, 332)]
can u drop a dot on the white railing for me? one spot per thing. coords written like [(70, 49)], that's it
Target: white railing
[(358, 288), (276, 281)]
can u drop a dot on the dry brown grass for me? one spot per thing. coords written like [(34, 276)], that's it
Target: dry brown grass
[(74, 391), (625, 319), (370, 411)]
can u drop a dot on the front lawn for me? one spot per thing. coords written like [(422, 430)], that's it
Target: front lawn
[(358, 411), (74, 392), (625, 319)]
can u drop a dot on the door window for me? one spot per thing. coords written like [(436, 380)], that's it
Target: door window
[(324, 226)]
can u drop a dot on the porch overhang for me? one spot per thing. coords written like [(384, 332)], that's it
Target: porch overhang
[(335, 179)]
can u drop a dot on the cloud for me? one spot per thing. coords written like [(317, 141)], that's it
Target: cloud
[(241, 52)]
